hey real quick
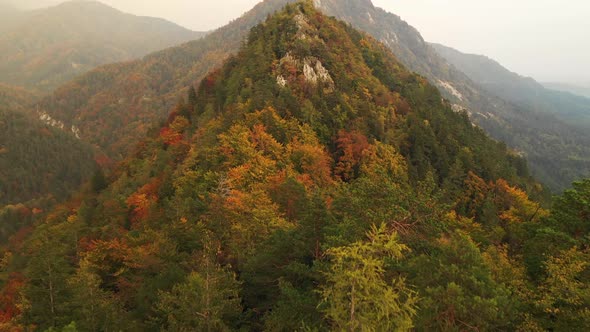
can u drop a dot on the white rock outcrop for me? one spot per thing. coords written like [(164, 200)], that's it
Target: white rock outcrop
[(451, 89), (315, 72), (281, 81), (76, 131), (50, 121), (312, 69)]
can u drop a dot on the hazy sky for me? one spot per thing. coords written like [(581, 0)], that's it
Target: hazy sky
[(546, 39)]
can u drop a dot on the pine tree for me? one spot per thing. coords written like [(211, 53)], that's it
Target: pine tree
[(192, 96), (208, 300)]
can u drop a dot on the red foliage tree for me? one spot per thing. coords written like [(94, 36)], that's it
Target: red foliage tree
[(8, 298), (350, 148)]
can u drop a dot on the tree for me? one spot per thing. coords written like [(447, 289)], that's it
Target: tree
[(565, 294), (94, 308), (458, 290), (207, 300), (46, 292), (192, 97), (72, 327), (571, 211), (357, 296), (99, 181)]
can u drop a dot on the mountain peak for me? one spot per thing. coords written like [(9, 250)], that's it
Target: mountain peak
[(344, 3), (80, 5), (49, 46)]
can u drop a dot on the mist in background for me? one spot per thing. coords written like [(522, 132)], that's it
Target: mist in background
[(544, 39)]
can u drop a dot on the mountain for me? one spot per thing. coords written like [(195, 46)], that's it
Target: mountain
[(556, 150), (44, 48), (582, 90), (111, 90), (311, 182), (522, 91), (115, 105)]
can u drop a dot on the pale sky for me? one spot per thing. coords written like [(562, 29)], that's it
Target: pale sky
[(545, 39)]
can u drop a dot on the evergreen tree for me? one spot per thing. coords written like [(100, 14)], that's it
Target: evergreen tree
[(208, 300), (357, 295)]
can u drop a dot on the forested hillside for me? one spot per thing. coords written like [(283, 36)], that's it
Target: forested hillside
[(310, 183), (115, 105), (39, 164), (45, 48), (38, 160), (550, 127), (558, 152), (16, 98)]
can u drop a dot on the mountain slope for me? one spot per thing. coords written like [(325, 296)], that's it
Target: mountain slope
[(16, 98), (251, 204), (47, 47), (525, 92), (37, 160), (150, 86), (114, 105), (557, 152)]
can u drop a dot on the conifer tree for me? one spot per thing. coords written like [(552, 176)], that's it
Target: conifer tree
[(357, 295)]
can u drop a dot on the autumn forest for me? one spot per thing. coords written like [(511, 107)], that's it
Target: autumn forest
[(287, 172)]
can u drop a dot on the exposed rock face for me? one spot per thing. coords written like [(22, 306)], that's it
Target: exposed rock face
[(302, 23), (76, 131), (451, 89), (50, 121), (316, 73), (281, 81), (312, 69)]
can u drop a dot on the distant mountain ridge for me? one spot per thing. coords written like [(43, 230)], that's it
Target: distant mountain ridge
[(41, 49), (523, 91), (582, 90)]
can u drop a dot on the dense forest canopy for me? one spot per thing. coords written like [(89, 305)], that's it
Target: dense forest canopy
[(15, 98), (310, 183), (36, 158)]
